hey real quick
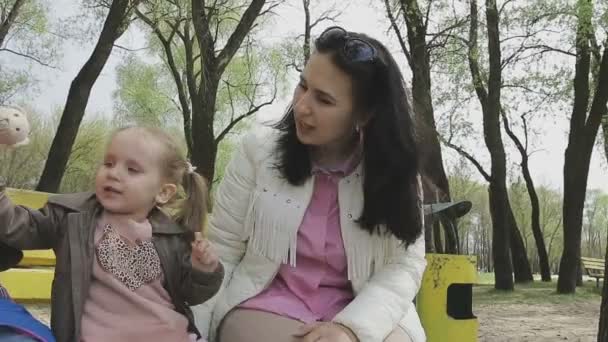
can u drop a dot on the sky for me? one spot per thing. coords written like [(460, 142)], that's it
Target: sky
[(546, 163)]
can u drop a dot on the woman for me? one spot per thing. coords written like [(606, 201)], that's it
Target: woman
[(318, 220)]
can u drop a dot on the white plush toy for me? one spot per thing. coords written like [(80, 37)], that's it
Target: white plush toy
[(14, 126)]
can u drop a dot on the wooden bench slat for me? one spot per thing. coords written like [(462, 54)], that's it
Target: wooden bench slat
[(32, 284), (38, 258), (594, 268)]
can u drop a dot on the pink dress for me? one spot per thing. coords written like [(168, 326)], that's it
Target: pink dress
[(126, 300), (318, 287)]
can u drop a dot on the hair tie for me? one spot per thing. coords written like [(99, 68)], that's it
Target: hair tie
[(190, 168)]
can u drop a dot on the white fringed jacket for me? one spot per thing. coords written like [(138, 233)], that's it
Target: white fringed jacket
[(254, 226)]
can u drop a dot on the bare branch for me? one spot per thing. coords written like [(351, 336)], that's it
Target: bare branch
[(251, 111), (468, 156), (503, 6), (395, 26), (129, 49), (238, 35), (329, 15), (270, 9), (35, 59), (445, 33)]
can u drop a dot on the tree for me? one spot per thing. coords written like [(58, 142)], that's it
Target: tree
[(115, 24), (506, 236), (418, 54), (586, 117), (545, 271), (199, 43), (25, 39), (8, 18), (602, 335), (310, 22), (146, 94)]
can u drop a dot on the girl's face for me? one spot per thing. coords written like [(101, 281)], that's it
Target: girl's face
[(323, 105), (130, 180)]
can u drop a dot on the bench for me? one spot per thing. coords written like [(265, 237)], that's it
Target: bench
[(594, 268), (444, 302)]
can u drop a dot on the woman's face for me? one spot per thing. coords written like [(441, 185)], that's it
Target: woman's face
[(323, 104)]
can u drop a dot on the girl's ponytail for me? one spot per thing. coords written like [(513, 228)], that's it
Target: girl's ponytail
[(192, 210)]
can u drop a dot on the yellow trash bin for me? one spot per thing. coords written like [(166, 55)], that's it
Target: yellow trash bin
[(444, 302)]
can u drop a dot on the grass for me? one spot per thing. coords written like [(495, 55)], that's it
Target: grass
[(536, 292)]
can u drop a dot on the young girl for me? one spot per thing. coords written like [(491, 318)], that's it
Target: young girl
[(125, 270)]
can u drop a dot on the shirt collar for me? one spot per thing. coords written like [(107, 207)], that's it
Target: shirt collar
[(342, 169)]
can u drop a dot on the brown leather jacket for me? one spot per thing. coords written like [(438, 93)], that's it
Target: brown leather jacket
[(66, 224)]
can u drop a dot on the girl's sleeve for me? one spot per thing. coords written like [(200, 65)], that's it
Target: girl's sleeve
[(198, 286), (26, 228)]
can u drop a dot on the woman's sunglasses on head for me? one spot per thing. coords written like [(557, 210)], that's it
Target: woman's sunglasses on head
[(354, 49)]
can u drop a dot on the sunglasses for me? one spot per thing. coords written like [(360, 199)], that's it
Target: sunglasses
[(354, 49)]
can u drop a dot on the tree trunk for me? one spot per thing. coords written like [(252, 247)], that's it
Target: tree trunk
[(543, 259), (6, 24), (503, 268), (490, 104), (428, 236), (431, 160), (204, 142), (307, 28), (602, 335), (581, 139), (437, 237), (78, 96), (605, 133), (451, 235), (519, 256), (541, 249)]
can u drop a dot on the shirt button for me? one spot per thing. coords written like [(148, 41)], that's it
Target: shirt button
[(350, 216), (288, 201)]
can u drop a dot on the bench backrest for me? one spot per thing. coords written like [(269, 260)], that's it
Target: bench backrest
[(593, 266)]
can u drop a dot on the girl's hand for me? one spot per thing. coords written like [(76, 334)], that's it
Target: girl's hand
[(204, 257), (325, 332)]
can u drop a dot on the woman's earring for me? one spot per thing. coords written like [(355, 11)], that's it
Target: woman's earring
[(360, 133)]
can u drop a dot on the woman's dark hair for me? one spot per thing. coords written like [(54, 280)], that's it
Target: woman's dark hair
[(390, 162)]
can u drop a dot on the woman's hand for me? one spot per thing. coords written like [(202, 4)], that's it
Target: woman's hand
[(325, 332), (204, 257)]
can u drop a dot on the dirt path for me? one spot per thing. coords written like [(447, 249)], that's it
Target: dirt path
[(545, 322)]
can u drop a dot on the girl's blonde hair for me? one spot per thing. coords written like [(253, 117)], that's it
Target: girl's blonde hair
[(192, 208)]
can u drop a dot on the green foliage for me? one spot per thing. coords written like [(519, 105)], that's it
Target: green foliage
[(86, 156), (145, 94), (30, 40)]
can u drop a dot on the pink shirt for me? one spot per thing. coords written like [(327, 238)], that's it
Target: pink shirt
[(126, 300), (318, 287)]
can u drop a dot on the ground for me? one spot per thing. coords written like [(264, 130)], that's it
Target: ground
[(531, 313), (536, 312)]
